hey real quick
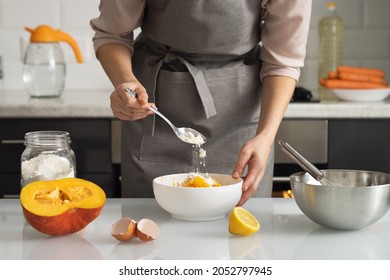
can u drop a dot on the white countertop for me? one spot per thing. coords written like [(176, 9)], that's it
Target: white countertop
[(96, 104), (72, 104), (285, 234), (335, 109)]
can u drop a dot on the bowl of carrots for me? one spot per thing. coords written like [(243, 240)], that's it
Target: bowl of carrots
[(351, 83)]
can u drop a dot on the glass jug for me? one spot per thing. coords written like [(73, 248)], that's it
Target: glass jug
[(44, 69)]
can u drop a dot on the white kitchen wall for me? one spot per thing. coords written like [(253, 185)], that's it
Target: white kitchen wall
[(367, 37), (71, 16)]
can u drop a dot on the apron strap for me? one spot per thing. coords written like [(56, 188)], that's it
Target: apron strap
[(149, 122), (201, 86), (199, 79)]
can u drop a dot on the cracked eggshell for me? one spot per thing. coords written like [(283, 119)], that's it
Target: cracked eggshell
[(147, 230), (124, 229)]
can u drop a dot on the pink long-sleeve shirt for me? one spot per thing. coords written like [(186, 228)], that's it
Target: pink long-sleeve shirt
[(283, 33)]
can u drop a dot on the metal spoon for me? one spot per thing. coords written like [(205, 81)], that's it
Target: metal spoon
[(185, 134), (307, 166)]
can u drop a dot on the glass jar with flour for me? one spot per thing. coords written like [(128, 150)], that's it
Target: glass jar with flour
[(47, 156)]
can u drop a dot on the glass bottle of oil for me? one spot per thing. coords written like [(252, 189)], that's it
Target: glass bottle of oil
[(331, 44)]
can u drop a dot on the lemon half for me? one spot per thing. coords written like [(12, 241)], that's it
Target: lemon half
[(242, 222)]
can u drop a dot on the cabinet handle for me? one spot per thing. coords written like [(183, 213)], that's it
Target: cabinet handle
[(11, 196), (281, 179), (12, 142)]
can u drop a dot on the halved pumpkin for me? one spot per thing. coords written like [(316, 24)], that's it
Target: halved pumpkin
[(62, 206)]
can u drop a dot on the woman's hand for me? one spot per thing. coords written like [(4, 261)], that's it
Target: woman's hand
[(276, 95), (126, 107), (116, 61), (254, 155)]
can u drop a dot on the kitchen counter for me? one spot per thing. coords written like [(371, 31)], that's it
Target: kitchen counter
[(335, 109), (72, 104), (96, 104), (285, 234)]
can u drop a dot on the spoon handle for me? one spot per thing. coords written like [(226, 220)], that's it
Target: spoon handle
[(154, 110), (304, 163)]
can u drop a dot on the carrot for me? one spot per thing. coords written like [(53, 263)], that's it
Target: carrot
[(361, 70), (345, 84), (351, 76), (323, 82), (332, 74)]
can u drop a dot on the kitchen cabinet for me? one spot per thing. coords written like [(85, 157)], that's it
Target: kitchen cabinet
[(333, 144), (359, 144), (91, 143), (310, 138), (343, 134)]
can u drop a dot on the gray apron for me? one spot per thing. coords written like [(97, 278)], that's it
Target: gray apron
[(199, 62)]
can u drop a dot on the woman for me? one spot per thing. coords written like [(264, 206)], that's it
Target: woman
[(226, 68)]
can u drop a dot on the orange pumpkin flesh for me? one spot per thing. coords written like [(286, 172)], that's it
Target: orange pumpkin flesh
[(62, 206)]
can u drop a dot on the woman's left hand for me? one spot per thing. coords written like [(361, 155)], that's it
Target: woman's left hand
[(276, 95), (254, 155)]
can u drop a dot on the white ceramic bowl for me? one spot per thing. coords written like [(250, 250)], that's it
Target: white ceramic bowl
[(362, 95), (197, 204)]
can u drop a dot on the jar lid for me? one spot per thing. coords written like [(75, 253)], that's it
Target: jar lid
[(47, 137), (331, 6)]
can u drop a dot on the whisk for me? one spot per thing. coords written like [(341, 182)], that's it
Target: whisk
[(307, 166)]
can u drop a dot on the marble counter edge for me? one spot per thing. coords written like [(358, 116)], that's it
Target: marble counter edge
[(338, 109), (71, 104), (96, 104)]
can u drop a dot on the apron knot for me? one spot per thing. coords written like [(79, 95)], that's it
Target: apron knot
[(168, 57)]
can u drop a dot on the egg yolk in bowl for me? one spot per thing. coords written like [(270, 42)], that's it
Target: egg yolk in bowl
[(199, 181)]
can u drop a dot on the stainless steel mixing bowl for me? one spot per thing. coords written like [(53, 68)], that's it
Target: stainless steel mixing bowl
[(364, 199)]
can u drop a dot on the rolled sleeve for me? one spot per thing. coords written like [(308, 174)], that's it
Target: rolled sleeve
[(116, 22), (284, 37)]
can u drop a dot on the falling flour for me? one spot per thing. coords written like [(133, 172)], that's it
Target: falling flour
[(202, 153), (46, 167), (198, 159)]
